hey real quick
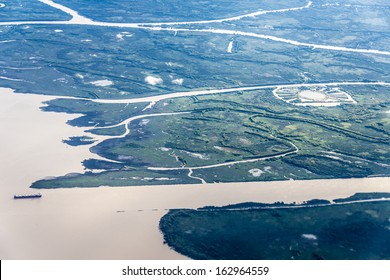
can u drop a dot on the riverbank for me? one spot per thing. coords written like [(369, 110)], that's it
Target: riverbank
[(107, 223)]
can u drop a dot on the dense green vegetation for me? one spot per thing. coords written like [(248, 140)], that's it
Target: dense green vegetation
[(79, 140), (347, 141), (115, 178), (190, 140), (254, 231), (243, 135), (94, 114), (70, 62), (348, 23), (363, 196), (262, 137)]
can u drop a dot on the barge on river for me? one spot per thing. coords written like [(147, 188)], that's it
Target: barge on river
[(26, 196)]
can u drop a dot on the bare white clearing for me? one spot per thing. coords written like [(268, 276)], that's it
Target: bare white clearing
[(151, 80), (309, 236), (256, 172), (178, 81), (230, 47), (122, 35), (102, 83), (312, 95)]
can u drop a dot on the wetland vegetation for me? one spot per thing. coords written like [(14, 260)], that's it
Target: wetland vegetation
[(260, 91), (344, 229), (252, 128), (244, 135)]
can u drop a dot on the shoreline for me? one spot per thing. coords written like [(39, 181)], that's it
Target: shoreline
[(82, 20), (228, 184), (122, 223), (108, 222)]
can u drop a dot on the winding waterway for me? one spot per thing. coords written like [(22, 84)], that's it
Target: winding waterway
[(81, 20), (120, 223)]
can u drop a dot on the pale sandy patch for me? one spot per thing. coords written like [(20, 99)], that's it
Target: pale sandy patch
[(245, 141), (226, 149), (122, 35), (144, 122), (230, 47), (312, 95), (309, 236), (255, 172), (197, 155), (102, 83), (151, 80), (177, 81)]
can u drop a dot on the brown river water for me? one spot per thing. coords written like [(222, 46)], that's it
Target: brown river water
[(106, 223)]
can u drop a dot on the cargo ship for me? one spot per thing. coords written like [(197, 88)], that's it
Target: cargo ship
[(37, 195)]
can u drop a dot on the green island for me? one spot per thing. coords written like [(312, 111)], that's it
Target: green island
[(239, 136), (354, 228)]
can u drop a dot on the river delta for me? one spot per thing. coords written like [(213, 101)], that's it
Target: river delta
[(258, 102)]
